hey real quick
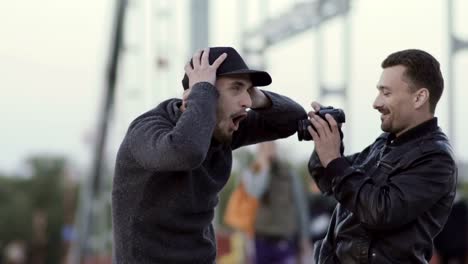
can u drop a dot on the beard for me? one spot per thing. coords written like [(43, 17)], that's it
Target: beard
[(386, 127), (391, 127), (222, 136), (221, 131), (227, 124), (386, 121)]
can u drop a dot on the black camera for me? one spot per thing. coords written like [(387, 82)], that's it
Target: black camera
[(336, 113)]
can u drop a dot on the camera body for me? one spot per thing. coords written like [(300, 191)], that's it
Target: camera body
[(336, 113)]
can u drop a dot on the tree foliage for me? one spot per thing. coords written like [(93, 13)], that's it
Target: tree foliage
[(41, 191)]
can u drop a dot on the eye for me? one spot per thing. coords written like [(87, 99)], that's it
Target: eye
[(385, 92), (236, 87)]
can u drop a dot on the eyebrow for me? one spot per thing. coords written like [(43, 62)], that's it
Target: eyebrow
[(240, 83), (382, 87)]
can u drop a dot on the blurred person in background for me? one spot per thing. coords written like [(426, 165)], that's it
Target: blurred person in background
[(320, 211), (176, 158), (277, 229), (15, 253), (395, 196), (451, 243)]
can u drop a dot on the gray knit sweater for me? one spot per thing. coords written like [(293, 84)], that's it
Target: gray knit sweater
[(169, 172)]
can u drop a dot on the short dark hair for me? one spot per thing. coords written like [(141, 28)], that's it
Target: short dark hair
[(422, 70)]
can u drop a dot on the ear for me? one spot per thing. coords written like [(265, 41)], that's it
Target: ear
[(421, 97)]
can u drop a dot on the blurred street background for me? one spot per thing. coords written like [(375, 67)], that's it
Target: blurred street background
[(74, 74)]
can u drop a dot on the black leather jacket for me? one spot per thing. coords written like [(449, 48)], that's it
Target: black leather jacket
[(394, 197)]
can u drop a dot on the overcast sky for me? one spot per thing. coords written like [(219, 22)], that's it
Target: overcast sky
[(52, 53), (50, 57)]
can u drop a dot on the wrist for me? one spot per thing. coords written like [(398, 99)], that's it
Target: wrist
[(329, 160), (260, 100)]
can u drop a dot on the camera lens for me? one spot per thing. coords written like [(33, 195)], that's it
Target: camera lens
[(302, 132)]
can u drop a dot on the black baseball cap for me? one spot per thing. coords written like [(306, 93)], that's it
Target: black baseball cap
[(233, 64)]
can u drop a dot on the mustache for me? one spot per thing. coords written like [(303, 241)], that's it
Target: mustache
[(383, 110), (239, 114)]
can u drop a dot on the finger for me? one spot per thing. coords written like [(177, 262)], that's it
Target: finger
[(332, 123), (196, 59), (188, 68), (219, 60), (318, 126), (186, 94), (205, 57), (314, 134), (316, 106), (323, 124), (311, 114)]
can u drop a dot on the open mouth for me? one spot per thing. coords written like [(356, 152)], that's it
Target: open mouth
[(237, 118)]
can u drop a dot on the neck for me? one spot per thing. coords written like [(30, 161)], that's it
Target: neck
[(416, 122)]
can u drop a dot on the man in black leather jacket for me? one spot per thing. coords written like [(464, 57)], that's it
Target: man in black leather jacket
[(395, 195)]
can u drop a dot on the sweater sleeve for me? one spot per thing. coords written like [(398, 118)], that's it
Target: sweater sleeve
[(160, 144), (278, 121)]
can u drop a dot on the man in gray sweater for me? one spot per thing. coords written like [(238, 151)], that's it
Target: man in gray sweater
[(176, 158)]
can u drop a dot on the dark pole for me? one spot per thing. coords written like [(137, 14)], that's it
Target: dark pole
[(108, 101)]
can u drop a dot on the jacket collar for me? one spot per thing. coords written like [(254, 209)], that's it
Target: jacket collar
[(415, 132)]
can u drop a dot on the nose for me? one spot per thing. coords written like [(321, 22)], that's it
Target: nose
[(377, 103), (246, 100)]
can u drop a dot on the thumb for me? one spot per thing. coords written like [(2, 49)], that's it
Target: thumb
[(316, 106)]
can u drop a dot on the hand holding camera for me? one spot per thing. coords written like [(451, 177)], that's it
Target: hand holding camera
[(323, 126), (336, 113)]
